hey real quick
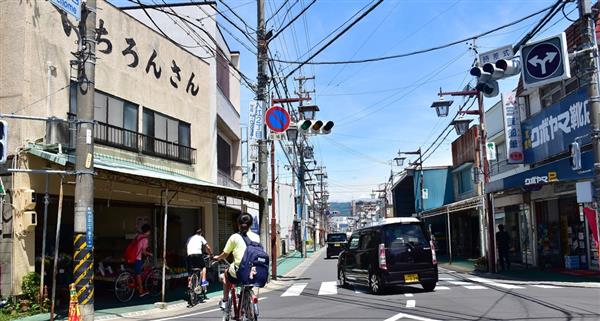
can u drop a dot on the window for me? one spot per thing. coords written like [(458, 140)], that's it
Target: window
[(550, 94), (398, 235), (353, 244), (223, 155), (571, 85), (365, 240), (166, 136), (465, 183), (336, 238)]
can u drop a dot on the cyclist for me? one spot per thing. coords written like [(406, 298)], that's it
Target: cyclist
[(196, 247), (235, 245), (142, 249)]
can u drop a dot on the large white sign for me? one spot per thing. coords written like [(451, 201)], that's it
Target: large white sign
[(72, 7), (255, 121), (512, 128)]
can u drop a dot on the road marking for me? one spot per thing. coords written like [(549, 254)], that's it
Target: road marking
[(409, 316), (408, 295), (328, 288), (189, 315), (475, 287), (295, 289), (496, 284), (442, 288), (460, 283), (411, 303), (545, 286), (446, 279)]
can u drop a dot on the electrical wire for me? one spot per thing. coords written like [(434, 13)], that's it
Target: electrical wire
[(276, 11), (40, 100), (237, 16), (293, 20), (417, 52)]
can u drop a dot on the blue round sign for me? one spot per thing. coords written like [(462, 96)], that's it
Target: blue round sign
[(543, 60), (277, 119)]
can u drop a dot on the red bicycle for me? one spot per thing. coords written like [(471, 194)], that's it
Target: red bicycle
[(241, 306), (125, 285)]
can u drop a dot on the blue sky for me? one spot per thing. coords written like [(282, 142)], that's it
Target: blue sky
[(383, 107)]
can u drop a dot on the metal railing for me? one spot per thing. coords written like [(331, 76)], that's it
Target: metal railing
[(498, 167), (114, 136)]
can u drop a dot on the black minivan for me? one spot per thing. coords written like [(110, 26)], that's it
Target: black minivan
[(399, 251), (336, 242)]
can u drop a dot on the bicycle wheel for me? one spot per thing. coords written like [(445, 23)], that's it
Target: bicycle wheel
[(192, 295), (153, 282), (248, 307), (124, 286), (228, 310)]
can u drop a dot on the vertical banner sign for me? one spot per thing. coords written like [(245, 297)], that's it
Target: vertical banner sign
[(256, 121), (512, 128), (89, 231), (491, 151)]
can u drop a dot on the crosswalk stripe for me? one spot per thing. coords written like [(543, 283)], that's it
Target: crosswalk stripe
[(442, 288), (496, 284), (411, 303), (475, 287), (545, 286), (328, 288), (408, 295), (460, 283), (295, 289), (446, 279)]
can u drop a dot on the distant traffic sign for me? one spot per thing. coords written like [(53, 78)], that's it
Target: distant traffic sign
[(277, 119), (72, 7), (545, 61)]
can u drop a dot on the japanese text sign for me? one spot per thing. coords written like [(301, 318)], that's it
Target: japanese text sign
[(512, 128), (552, 130), (505, 52)]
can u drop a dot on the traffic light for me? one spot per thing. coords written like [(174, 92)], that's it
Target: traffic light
[(575, 157), (485, 83), (3, 141), (252, 173), (315, 127), (488, 75)]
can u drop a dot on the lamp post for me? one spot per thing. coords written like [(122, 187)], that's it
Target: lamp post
[(461, 126)]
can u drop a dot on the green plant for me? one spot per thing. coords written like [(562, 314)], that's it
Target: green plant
[(31, 286), (481, 261)]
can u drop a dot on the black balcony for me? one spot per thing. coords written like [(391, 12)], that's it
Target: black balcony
[(499, 167), (109, 135)]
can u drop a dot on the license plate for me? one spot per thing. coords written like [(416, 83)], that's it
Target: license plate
[(410, 278), (337, 245)]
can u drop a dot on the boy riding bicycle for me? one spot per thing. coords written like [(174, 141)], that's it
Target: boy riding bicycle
[(196, 247)]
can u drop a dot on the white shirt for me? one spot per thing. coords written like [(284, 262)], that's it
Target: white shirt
[(195, 244)]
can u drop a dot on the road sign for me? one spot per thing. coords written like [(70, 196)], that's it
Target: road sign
[(72, 7), (545, 61), (492, 56), (491, 151), (277, 119)]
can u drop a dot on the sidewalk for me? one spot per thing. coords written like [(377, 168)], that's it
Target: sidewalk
[(284, 265), (519, 272)]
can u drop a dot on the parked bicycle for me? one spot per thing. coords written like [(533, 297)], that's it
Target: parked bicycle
[(125, 285), (196, 292), (241, 306)]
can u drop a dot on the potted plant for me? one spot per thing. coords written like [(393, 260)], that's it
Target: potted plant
[(481, 264)]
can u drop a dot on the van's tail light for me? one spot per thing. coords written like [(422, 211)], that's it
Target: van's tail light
[(254, 299), (382, 263), (433, 257)]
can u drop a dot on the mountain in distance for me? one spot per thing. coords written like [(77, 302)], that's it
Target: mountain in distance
[(345, 208)]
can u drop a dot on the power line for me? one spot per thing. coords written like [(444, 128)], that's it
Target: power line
[(417, 52), (276, 11), (236, 15), (293, 19)]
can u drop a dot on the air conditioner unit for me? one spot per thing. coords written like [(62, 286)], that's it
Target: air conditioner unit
[(59, 132), (28, 221)]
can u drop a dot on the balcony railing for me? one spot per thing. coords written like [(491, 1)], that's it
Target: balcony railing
[(499, 167), (225, 180), (118, 137)]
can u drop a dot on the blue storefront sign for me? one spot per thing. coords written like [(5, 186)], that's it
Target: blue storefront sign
[(550, 132)]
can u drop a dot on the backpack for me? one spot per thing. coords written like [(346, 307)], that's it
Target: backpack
[(254, 268), (131, 251)]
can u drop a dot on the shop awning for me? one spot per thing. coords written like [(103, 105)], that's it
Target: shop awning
[(109, 164), (466, 204)]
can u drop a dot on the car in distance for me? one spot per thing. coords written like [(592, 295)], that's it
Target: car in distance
[(399, 251), (336, 242)]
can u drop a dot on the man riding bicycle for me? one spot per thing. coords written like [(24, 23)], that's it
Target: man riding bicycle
[(235, 245), (196, 247)]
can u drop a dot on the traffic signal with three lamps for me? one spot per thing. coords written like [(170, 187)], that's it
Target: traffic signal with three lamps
[(488, 75), (315, 126)]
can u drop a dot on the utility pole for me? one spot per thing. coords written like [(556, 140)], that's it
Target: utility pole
[(590, 67), (273, 216), (261, 96), (83, 236)]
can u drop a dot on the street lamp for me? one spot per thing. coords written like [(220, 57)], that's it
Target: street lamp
[(308, 112), (292, 133), (461, 126), (442, 107), (399, 160)]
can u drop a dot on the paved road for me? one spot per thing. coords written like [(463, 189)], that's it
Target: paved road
[(312, 294)]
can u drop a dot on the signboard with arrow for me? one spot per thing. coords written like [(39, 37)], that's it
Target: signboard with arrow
[(545, 61)]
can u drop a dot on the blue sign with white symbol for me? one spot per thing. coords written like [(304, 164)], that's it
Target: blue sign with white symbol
[(89, 228), (72, 7), (545, 61)]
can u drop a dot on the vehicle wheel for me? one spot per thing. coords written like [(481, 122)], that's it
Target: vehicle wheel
[(375, 285), (429, 286), (342, 278), (124, 287), (192, 295), (153, 283)]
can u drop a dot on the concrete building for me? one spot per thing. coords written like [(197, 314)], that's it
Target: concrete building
[(167, 128)]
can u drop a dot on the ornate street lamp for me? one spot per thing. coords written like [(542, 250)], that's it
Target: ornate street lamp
[(442, 107), (308, 112), (461, 126), (292, 133), (400, 160)]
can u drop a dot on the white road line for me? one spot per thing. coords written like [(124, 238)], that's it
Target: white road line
[(460, 283), (328, 288), (446, 279), (496, 284), (475, 287), (545, 286), (411, 303), (188, 315), (408, 295), (409, 316), (295, 289), (442, 288)]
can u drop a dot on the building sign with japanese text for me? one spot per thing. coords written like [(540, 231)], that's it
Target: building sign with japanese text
[(550, 132), (512, 128), (505, 52)]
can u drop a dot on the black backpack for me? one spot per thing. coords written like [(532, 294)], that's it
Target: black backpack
[(254, 268)]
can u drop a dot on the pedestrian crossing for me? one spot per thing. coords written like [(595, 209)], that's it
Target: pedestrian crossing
[(444, 284)]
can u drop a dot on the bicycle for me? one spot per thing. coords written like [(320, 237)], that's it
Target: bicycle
[(194, 289), (242, 306), (125, 285)]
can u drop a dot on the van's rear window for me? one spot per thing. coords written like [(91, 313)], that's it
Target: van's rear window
[(336, 238), (402, 234)]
